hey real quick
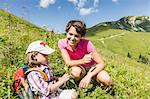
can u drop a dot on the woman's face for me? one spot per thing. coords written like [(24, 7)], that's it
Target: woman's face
[(73, 37), (42, 58)]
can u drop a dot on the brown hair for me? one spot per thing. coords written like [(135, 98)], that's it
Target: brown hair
[(79, 25), (31, 61)]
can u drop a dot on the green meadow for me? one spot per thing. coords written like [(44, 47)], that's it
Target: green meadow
[(126, 53)]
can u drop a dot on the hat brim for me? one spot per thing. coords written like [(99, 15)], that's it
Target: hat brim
[(44, 50), (47, 51)]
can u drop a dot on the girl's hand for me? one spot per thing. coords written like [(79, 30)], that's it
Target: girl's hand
[(87, 58), (64, 78)]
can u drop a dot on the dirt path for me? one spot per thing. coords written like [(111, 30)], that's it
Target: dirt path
[(112, 36)]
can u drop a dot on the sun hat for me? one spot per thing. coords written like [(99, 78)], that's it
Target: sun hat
[(39, 46)]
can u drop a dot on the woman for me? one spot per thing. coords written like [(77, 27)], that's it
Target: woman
[(81, 55)]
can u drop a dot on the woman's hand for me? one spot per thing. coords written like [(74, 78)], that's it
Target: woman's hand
[(85, 81), (87, 58)]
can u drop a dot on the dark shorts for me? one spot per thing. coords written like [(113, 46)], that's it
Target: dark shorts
[(86, 69), (90, 67)]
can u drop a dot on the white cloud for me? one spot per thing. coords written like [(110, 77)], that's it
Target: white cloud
[(87, 11), (46, 3), (73, 1), (115, 1), (96, 3), (80, 4)]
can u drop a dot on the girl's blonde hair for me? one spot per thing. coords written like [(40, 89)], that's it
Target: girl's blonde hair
[(31, 61)]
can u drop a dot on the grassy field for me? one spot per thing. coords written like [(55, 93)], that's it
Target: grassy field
[(130, 77), (127, 55)]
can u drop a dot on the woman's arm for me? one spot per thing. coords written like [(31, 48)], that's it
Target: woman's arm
[(68, 61), (93, 71), (99, 64)]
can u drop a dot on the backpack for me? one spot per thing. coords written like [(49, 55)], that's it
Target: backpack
[(20, 84)]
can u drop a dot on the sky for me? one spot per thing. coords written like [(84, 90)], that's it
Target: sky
[(54, 14)]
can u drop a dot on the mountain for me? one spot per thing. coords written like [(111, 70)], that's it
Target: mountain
[(134, 23), (130, 23)]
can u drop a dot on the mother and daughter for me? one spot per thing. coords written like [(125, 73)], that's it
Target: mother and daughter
[(78, 53)]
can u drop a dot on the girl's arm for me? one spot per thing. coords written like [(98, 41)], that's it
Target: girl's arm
[(62, 80), (37, 82)]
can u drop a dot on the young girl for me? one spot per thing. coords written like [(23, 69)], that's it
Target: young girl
[(37, 57), (80, 54)]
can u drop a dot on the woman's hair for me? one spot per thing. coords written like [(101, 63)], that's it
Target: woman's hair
[(31, 61), (78, 25)]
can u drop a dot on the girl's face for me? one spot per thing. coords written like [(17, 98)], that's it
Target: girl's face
[(73, 37), (42, 58)]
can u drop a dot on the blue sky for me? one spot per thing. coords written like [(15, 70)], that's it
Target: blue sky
[(54, 14)]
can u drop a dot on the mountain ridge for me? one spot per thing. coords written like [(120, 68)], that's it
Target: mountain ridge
[(130, 23)]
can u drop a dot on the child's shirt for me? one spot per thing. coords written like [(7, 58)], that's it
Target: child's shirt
[(84, 47), (39, 86)]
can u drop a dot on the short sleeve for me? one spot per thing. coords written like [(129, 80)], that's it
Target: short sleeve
[(90, 47), (37, 83), (61, 44)]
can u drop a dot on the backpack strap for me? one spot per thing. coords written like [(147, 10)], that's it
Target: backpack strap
[(45, 77), (25, 68)]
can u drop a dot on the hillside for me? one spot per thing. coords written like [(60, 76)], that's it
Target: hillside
[(11, 22), (10, 26), (125, 53), (130, 23), (15, 35)]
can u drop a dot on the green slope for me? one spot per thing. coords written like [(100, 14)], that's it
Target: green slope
[(130, 73), (124, 42), (11, 23), (14, 30), (15, 35)]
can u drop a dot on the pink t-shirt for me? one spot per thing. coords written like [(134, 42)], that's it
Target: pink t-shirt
[(84, 47)]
